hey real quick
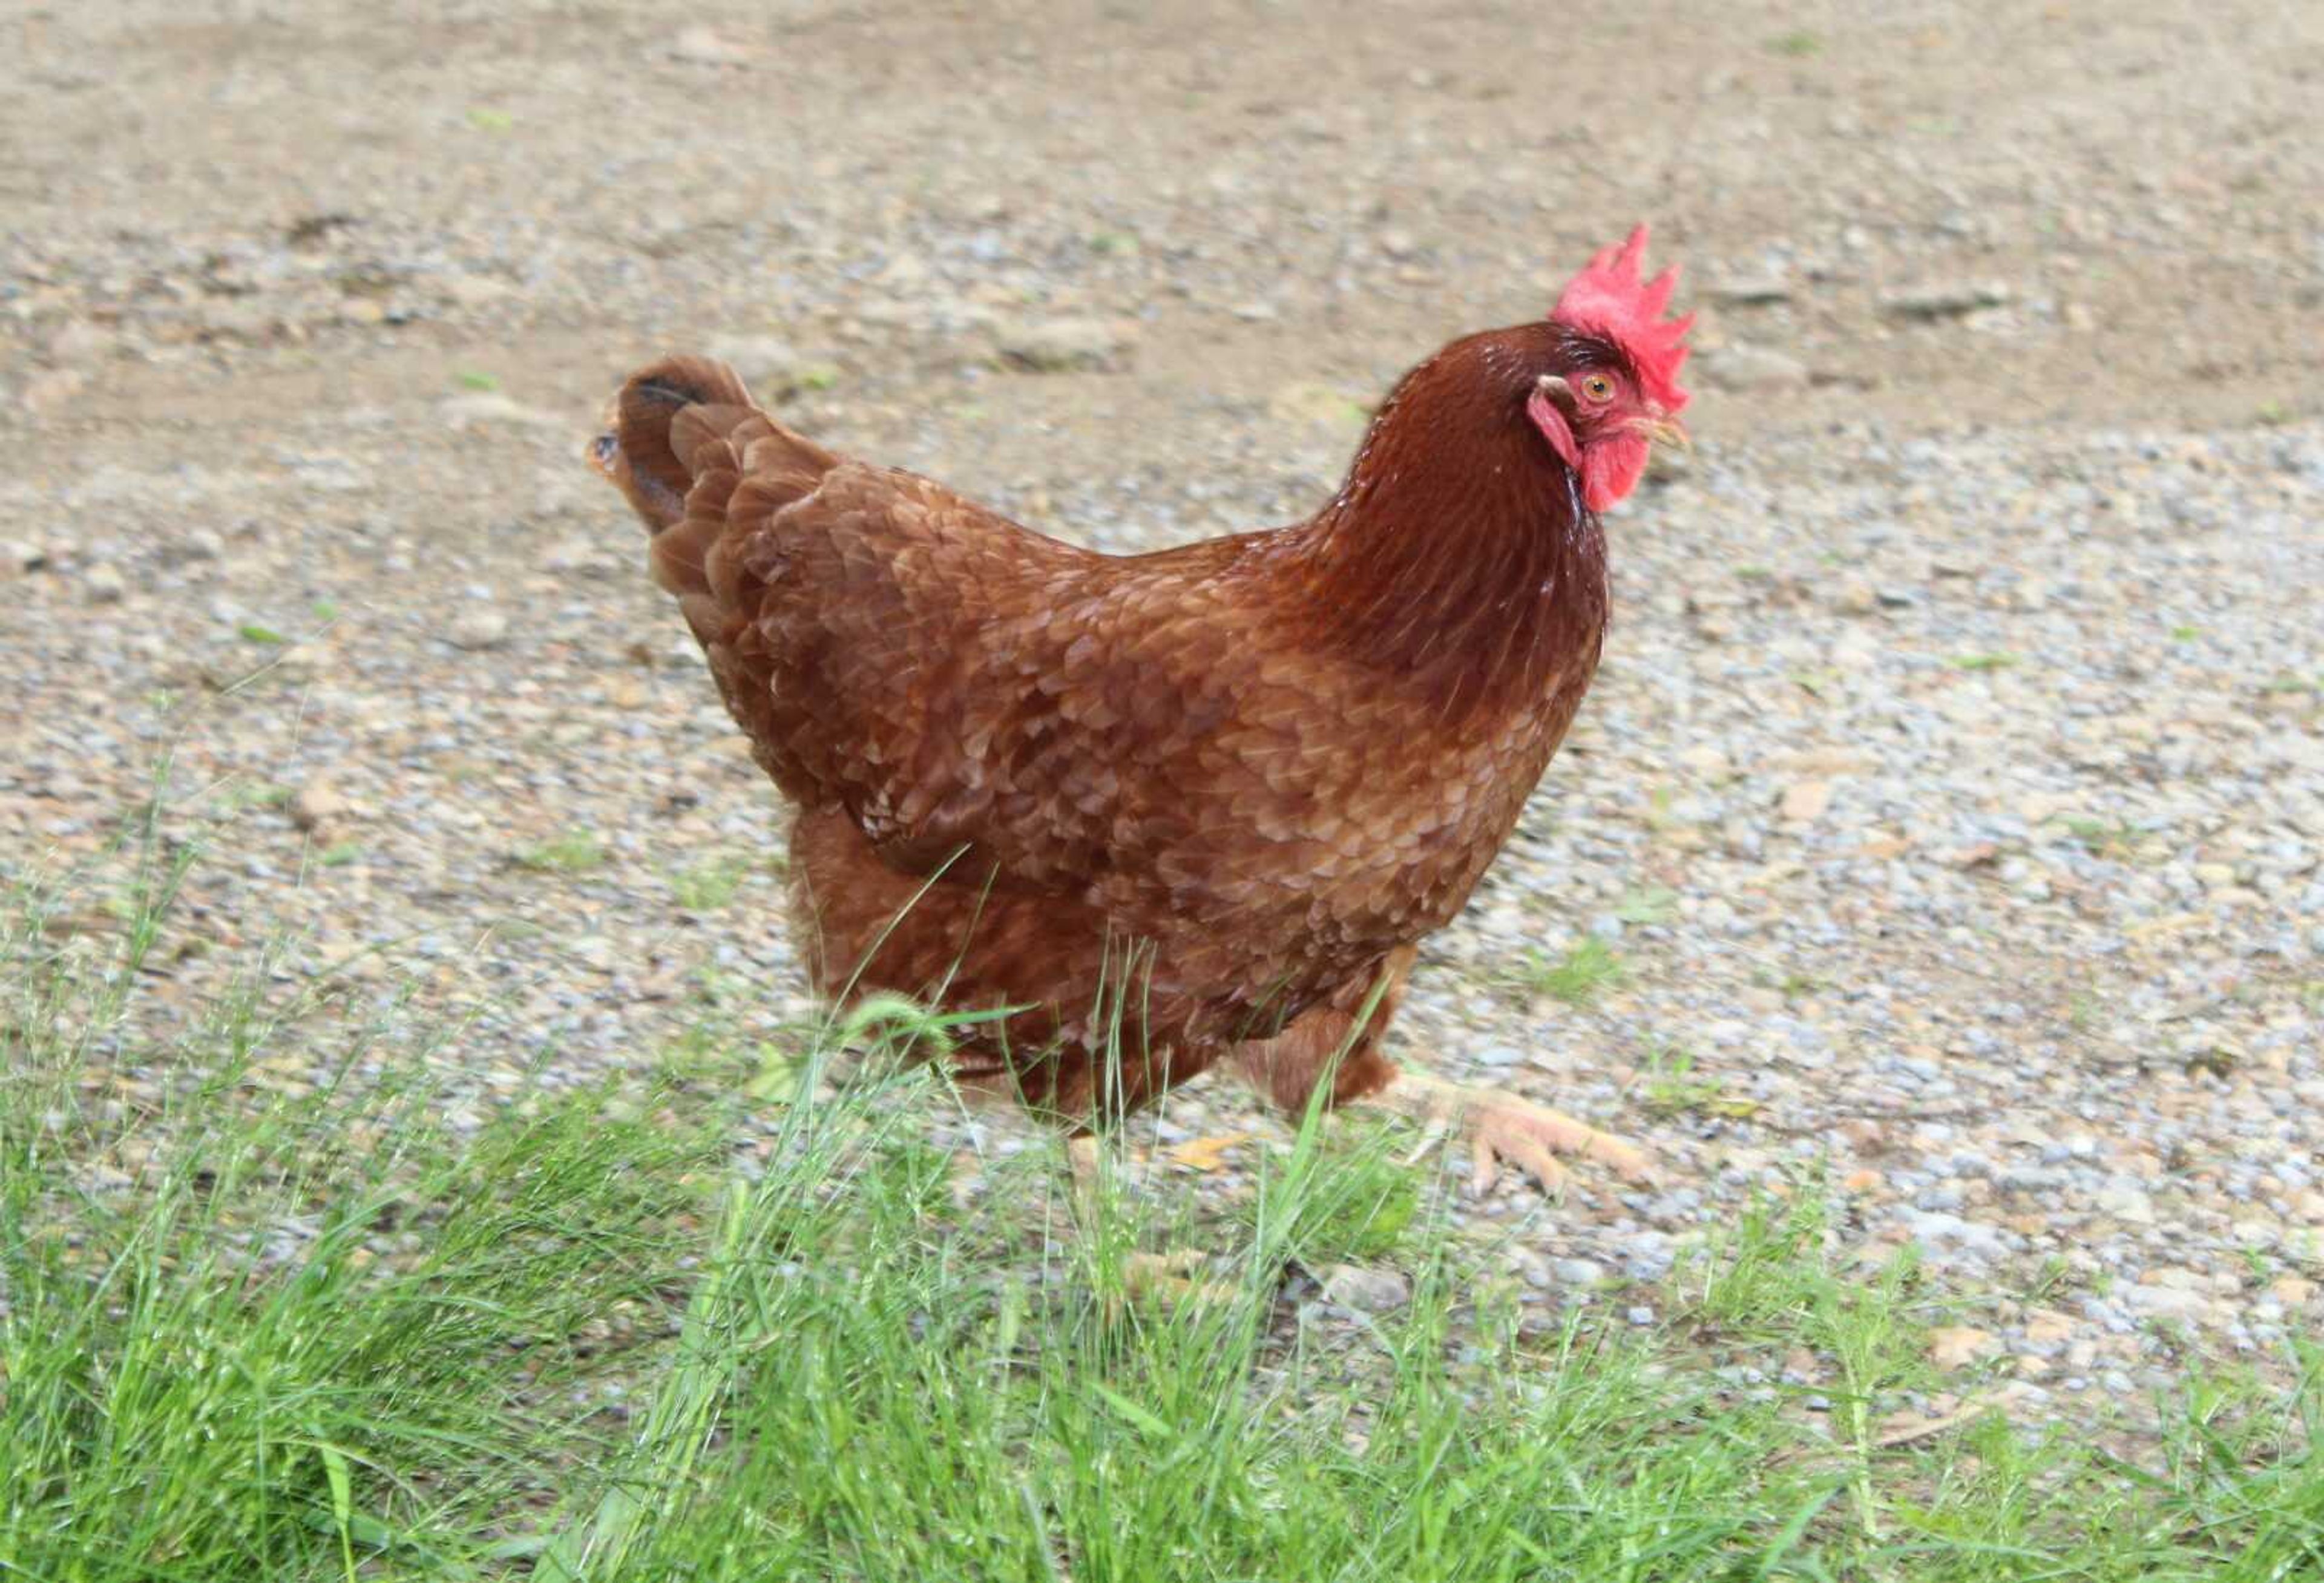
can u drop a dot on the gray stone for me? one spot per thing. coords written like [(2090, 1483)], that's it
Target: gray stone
[(1068, 345), (697, 45), (1941, 302), (478, 627), (1365, 1289), (1755, 368), (2172, 1303), (1749, 290), (768, 364), (490, 408)]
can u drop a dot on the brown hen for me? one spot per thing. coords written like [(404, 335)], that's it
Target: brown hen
[(1170, 808)]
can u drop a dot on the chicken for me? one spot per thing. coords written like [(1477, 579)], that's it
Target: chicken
[(1151, 813)]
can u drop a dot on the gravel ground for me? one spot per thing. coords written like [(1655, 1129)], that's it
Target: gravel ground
[(1953, 794)]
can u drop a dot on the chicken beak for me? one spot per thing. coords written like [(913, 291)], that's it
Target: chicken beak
[(1664, 430)]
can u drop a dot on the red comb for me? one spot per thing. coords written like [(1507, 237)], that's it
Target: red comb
[(1607, 299)]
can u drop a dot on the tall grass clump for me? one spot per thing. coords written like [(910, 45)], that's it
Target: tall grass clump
[(283, 1295), (253, 1325)]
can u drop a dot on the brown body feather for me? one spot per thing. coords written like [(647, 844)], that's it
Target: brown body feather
[(1182, 807)]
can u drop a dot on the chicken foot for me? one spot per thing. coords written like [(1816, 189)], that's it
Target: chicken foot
[(1502, 1127), (1144, 1275)]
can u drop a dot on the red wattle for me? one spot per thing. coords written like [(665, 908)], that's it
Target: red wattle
[(1612, 468)]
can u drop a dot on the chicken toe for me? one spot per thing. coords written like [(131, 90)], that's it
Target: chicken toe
[(1501, 1127), (1166, 1278), (1163, 1279)]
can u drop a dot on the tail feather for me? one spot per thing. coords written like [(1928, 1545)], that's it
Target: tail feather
[(639, 454), (685, 432)]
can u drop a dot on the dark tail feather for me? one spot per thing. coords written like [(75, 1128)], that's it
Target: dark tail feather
[(685, 433), (649, 454)]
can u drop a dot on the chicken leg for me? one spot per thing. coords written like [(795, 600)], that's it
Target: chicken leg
[(1340, 1037)]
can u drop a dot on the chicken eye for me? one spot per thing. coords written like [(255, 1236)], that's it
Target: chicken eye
[(1597, 387)]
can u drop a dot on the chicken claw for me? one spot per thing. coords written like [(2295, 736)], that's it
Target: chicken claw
[(1503, 1126), (1166, 1278)]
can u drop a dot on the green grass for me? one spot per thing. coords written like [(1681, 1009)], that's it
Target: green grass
[(2098, 837), (711, 883), (576, 852), (1590, 966), (1673, 1087), (1792, 986), (266, 1311), (2084, 1011), (1363, 1206), (1654, 903), (246, 794)]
